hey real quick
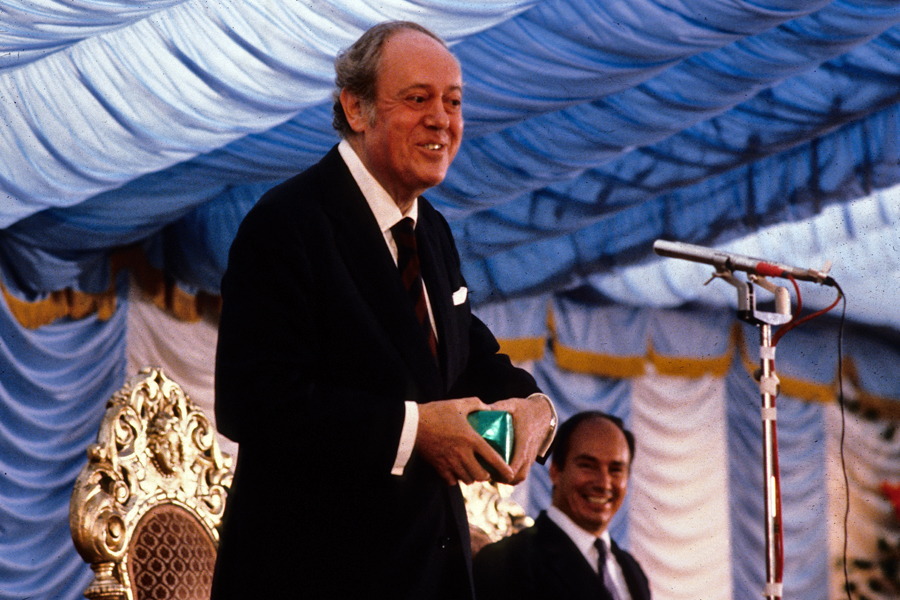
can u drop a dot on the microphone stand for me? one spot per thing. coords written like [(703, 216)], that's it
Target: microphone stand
[(769, 387)]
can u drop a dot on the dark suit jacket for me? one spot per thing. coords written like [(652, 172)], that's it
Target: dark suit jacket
[(543, 563), (318, 349)]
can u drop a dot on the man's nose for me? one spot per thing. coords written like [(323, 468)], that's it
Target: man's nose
[(438, 116), (603, 479)]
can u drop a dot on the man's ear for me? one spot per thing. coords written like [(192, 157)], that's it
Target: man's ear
[(554, 473), (353, 109)]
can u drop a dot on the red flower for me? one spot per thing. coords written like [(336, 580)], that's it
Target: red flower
[(892, 493)]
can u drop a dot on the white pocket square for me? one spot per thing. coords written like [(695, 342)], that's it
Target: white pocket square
[(459, 296)]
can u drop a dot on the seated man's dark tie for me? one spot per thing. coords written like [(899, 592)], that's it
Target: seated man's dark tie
[(408, 264), (605, 576)]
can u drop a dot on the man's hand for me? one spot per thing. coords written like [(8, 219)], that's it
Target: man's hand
[(447, 441), (531, 421)]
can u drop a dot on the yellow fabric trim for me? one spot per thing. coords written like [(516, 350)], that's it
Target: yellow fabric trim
[(865, 403), (60, 304), (694, 366), (78, 305), (872, 406), (690, 367), (796, 388), (807, 390), (623, 367), (869, 405), (582, 361), (523, 349)]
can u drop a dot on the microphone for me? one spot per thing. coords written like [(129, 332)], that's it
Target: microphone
[(737, 262)]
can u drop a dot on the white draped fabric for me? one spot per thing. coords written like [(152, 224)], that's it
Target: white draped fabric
[(185, 351), (592, 128), (679, 526)]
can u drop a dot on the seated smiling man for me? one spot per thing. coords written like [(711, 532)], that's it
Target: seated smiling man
[(568, 553)]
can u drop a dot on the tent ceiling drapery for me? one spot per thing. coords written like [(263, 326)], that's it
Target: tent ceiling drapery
[(593, 128), (138, 132)]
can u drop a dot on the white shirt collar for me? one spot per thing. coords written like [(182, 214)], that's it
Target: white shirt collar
[(582, 538), (383, 206)]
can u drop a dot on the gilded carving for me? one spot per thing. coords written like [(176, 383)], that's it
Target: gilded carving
[(492, 511), (154, 446)]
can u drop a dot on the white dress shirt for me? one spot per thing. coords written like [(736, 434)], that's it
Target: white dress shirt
[(388, 214), (584, 540)]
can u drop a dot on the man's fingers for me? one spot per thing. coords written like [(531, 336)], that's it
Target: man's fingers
[(469, 469), (530, 421), (473, 472), (463, 468), (490, 456), (521, 462)]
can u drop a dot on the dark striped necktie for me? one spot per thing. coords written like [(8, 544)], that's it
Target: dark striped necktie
[(603, 572), (410, 274), (601, 559)]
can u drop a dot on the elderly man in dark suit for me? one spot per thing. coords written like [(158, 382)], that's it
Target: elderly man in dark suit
[(346, 381), (568, 554)]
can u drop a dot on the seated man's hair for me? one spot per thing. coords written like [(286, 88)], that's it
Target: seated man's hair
[(560, 448)]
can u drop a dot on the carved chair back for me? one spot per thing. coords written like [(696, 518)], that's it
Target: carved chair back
[(146, 507)]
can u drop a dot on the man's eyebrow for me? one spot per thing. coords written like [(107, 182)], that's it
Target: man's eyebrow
[(595, 460), (415, 86), (585, 457)]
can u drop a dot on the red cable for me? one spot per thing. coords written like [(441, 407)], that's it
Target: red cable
[(795, 322)]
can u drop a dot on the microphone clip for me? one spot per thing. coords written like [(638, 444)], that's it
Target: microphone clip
[(746, 298)]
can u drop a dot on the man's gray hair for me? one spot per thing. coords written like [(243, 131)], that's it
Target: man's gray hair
[(356, 69)]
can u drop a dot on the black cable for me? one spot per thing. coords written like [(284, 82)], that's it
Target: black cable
[(843, 436)]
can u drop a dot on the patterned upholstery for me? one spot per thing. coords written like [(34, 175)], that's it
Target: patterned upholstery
[(146, 507), (171, 556)]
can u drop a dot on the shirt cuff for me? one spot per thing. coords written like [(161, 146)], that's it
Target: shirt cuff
[(551, 426), (407, 438)]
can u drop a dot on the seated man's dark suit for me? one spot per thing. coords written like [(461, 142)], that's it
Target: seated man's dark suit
[(542, 563), (319, 347)]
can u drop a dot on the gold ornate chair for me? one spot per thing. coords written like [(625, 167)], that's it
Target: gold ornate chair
[(146, 507), (492, 513)]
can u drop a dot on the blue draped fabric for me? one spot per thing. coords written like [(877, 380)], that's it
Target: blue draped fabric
[(54, 386), (593, 128), (57, 379)]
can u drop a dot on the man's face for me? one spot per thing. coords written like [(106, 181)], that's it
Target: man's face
[(417, 126), (591, 487)]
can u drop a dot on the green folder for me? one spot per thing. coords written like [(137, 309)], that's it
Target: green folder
[(495, 426)]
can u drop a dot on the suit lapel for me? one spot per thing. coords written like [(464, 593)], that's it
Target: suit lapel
[(564, 558), (365, 254), (631, 572)]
